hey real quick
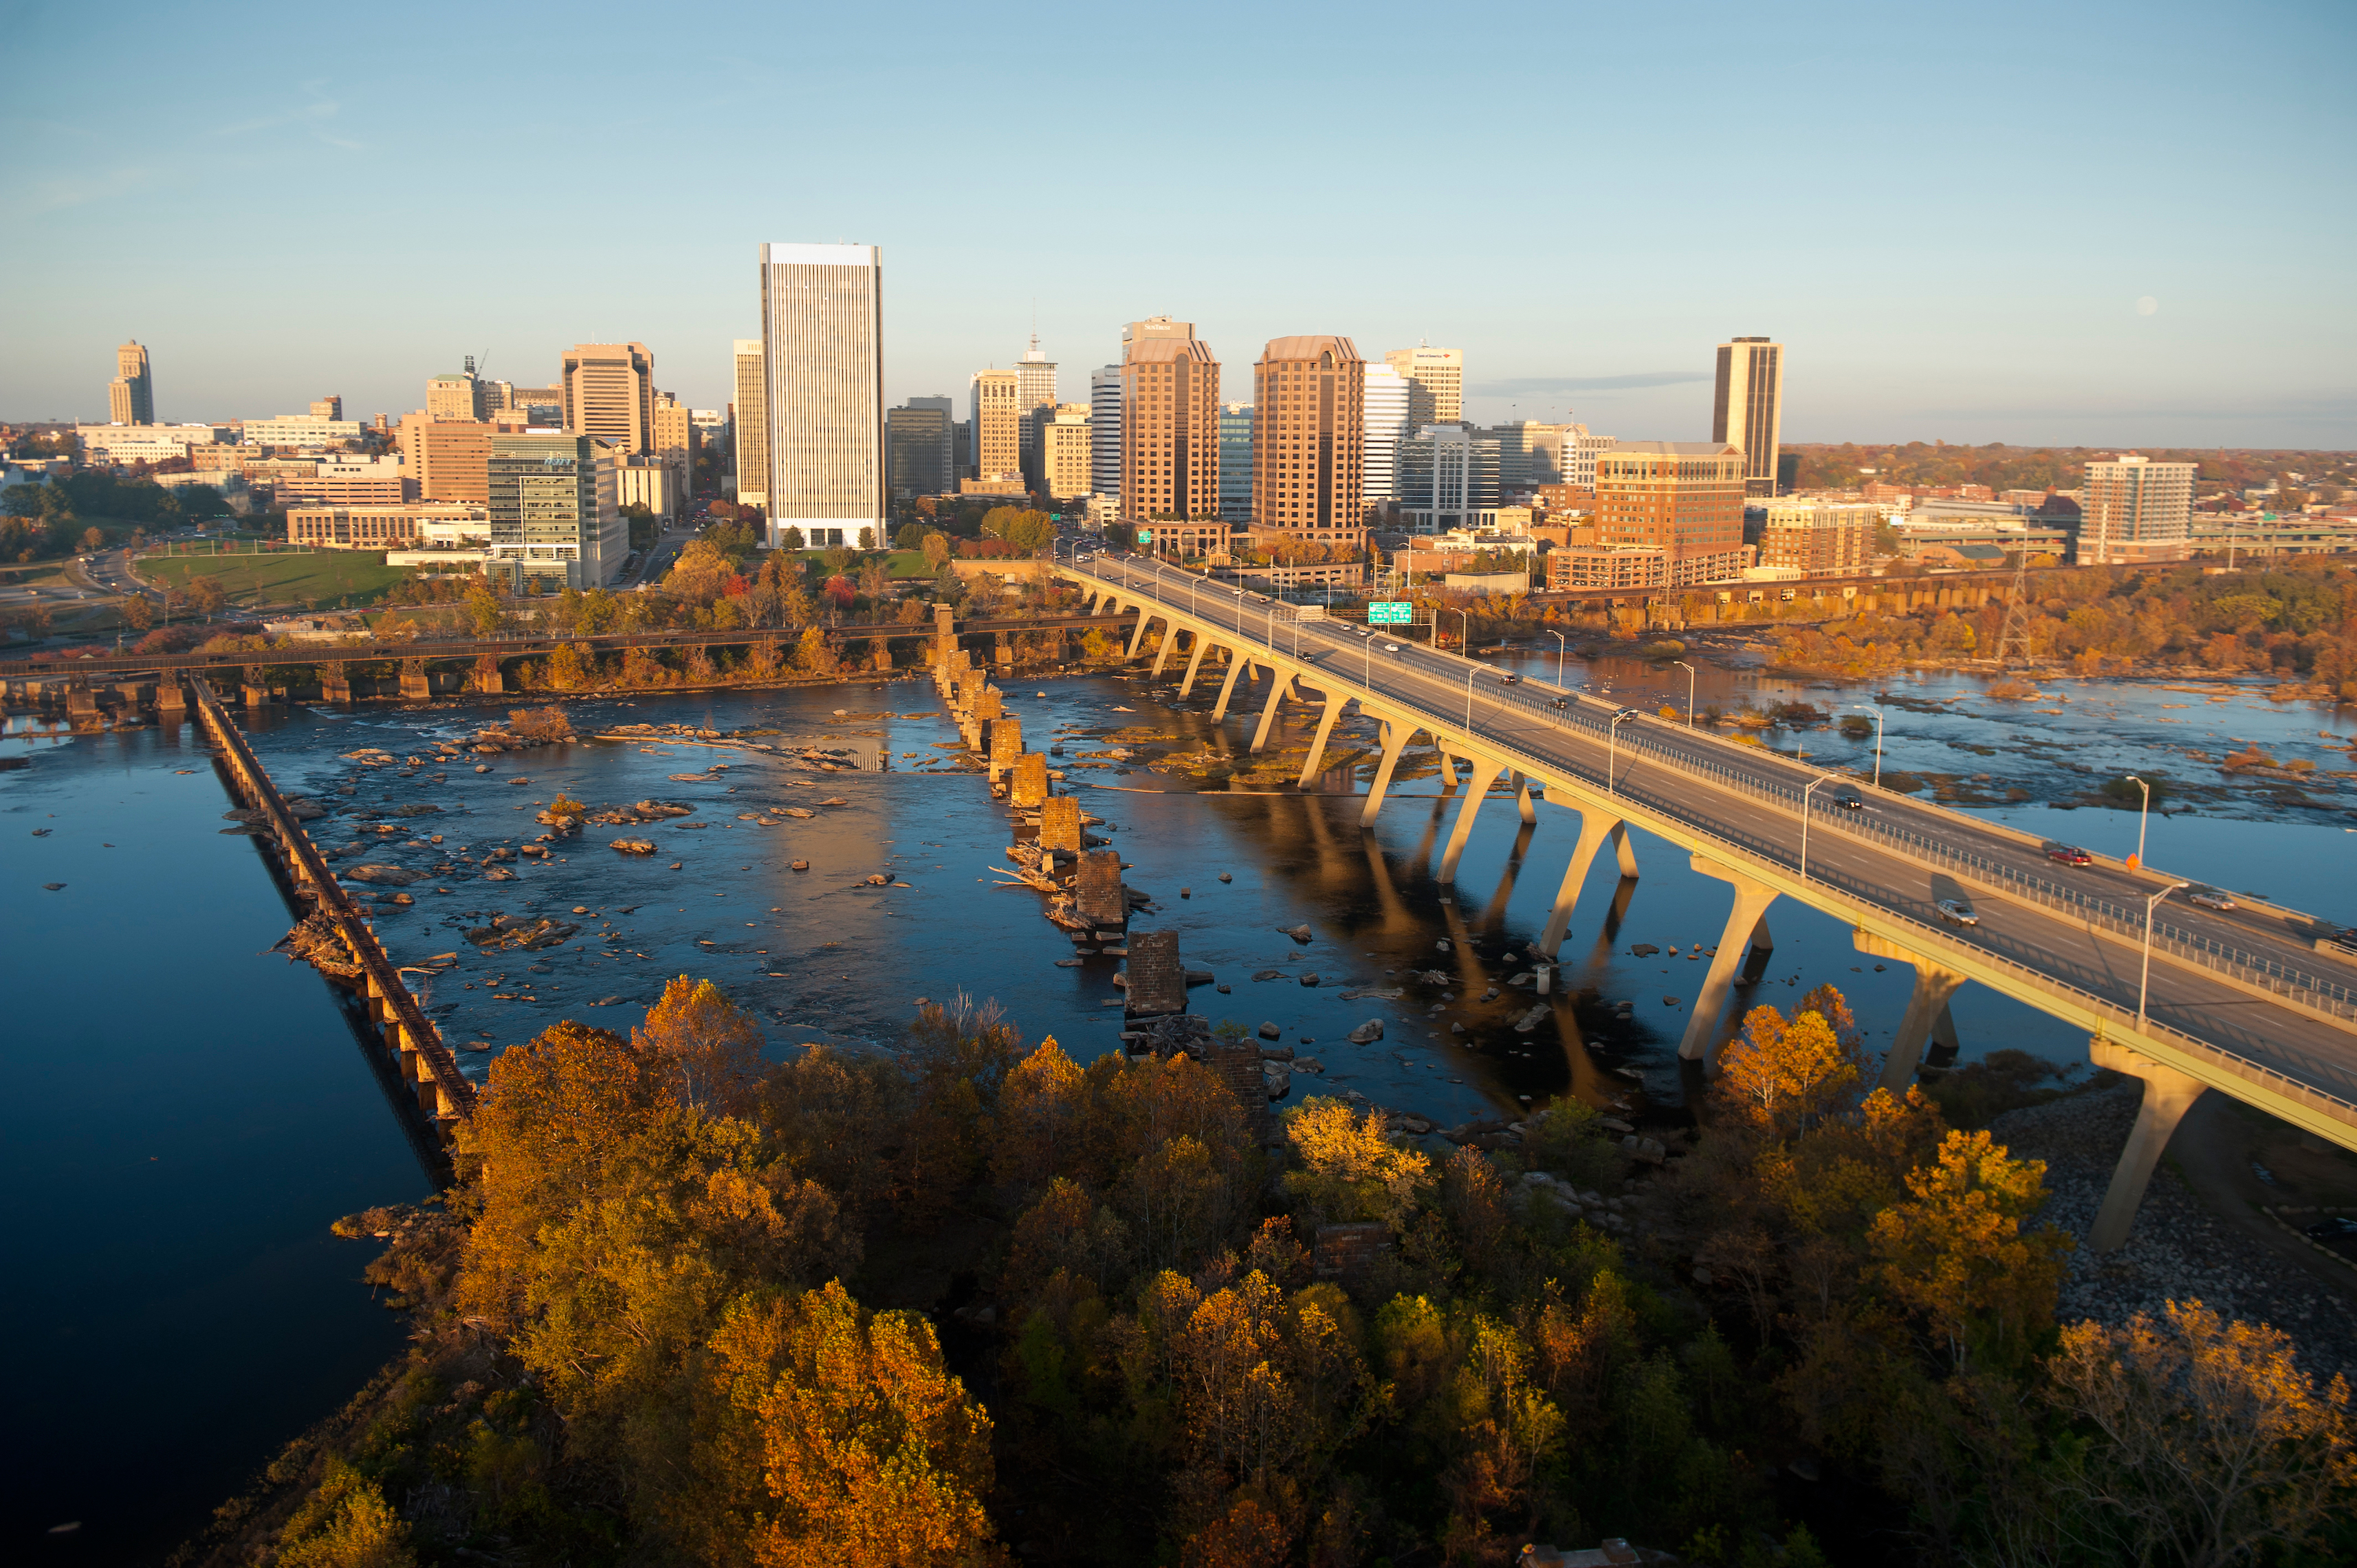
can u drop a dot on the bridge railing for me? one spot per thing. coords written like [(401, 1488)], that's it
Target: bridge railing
[(1593, 715)]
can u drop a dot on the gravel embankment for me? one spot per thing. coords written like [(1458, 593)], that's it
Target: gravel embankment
[(2179, 1250)]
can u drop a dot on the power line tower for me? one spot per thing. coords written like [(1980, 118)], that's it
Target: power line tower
[(2013, 637)]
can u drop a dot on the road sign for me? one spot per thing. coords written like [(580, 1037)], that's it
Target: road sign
[(1145, 536), (1384, 612)]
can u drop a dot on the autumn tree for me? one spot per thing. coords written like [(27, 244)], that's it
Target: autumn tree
[(2214, 1445), (1957, 1254), (1350, 1166), (1784, 1077), (710, 1047)]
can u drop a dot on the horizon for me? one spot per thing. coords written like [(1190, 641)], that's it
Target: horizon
[(2031, 252)]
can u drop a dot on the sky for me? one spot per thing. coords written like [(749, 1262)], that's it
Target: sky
[(2080, 224)]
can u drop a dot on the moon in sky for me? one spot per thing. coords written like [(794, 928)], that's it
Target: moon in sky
[(2147, 306)]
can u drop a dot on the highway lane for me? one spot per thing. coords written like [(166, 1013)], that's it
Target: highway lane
[(2066, 948)]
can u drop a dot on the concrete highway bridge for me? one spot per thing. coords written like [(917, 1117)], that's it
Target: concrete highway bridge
[(2240, 1001)]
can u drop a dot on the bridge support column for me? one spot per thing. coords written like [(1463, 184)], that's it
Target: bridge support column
[(1926, 1007), (1476, 788), (1237, 664), (1138, 636), (1447, 769), (486, 677), (1763, 948), (1283, 683), (1330, 710), (2167, 1096), (1194, 662), (415, 684), (171, 698), (336, 682), (1162, 654), (944, 635), (1596, 825), (1396, 734), (1523, 803), (1751, 901)]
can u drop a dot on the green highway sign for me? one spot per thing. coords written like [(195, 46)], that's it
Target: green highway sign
[(1145, 536), (1390, 613)]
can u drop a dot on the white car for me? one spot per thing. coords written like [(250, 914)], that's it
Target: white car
[(1957, 911), (2209, 899)]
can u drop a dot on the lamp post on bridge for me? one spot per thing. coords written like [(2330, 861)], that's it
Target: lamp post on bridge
[(2143, 814), (1560, 646), (1612, 750), (1690, 689), (2144, 980), (1870, 708), (1820, 778)]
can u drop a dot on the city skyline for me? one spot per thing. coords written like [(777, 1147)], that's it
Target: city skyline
[(2051, 251)]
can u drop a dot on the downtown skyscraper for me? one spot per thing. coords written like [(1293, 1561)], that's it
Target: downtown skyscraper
[(1746, 407), (823, 374)]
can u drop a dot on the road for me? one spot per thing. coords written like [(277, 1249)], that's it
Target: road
[(1894, 856)]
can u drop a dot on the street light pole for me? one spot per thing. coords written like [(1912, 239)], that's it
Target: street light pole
[(1612, 752), (2144, 980), (1821, 778), (1870, 708), (2144, 813), (1558, 656), (1469, 702), (1690, 684)]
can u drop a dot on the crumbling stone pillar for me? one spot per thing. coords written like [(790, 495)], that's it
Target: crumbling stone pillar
[(1005, 745), (1098, 895), (1028, 786), (486, 676), (1060, 820), (1157, 984)]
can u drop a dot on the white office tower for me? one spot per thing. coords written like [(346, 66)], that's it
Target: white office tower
[(1035, 404), (823, 352), (1104, 431), (1387, 423)]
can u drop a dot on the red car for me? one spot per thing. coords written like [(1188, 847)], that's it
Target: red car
[(2068, 854)]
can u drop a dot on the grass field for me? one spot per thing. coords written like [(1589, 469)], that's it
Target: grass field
[(324, 581)]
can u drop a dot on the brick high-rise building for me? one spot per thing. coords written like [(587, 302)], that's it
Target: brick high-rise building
[(674, 438), (1066, 443), (1169, 425), (609, 393), (2133, 511), (458, 394), (130, 396), (1435, 380), (1820, 539), (1309, 437), (1747, 407), (1681, 497), (994, 402), (748, 419)]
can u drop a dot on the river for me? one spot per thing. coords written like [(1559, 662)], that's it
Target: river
[(190, 1112)]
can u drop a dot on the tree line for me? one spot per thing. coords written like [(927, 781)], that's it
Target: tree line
[(969, 1302)]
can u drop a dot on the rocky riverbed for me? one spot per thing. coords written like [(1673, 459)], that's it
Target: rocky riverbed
[(2179, 1250)]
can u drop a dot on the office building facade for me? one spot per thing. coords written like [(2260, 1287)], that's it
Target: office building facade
[(822, 349), (1104, 432), (1170, 427), (1035, 403), (1820, 539), (749, 423), (459, 394), (299, 429), (676, 438), (1236, 463), (329, 407), (993, 404), (1385, 399), (1685, 498), (919, 444), (1746, 409), (1309, 435), (1436, 379), (554, 516), (1446, 474), (1067, 451), (609, 393), (130, 395), (2132, 511)]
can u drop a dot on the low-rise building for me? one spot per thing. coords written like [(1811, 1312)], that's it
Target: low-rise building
[(1821, 539), (146, 443), (1489, 582), (1621, 567), (399, 526), (346, 482), (299, 430)]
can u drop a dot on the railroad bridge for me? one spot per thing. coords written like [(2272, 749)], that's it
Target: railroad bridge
[(2245, 1004)]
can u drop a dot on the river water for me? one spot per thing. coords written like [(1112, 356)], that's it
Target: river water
[(190, 1113)]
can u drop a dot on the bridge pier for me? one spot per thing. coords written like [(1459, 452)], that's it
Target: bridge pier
[(416, 686), (1328, 712), (1595, 826), (2167, 1096), (171, 699), (1927, 1007), (1448, 767), (1524, 806), (1763, 948), (1282, 684), (486, 677), (335, 682), (1162, 653), (81, 703), (1137, 635), (1396, 735), (1236, 666), (1194, 662), (1483, 774), (1751, 901)]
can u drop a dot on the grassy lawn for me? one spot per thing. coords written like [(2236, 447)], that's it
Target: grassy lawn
[(903, 562), (323, 581)]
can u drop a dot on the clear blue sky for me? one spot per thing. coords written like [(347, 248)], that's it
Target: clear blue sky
[(1949, 214)]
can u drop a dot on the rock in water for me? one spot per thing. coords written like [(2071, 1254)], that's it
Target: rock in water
[(1301, 934), (629, 846), (1530, 1020), (395, 875), (1368, 1032), (1270, 1032)]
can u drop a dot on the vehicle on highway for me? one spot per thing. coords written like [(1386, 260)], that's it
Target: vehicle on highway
[(1510, 680), (1391, 648), (1625, 714), (2209, 898), (1559, 704), (1956, 911), (1849, 800), (2068, 854)]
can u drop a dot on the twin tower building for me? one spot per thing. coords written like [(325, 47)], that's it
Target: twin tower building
[(812, 426)]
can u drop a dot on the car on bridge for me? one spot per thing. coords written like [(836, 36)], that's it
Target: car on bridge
[(1956, 911), (2209, 898), (1849, 799), (2068, 854), (1626, 715), (1560, 704), (1510, 679)]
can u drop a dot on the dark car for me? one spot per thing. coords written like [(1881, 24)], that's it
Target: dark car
[(1559, 703), (1510, 680), (2068, 854), (1625, 714), (1849, 800)]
